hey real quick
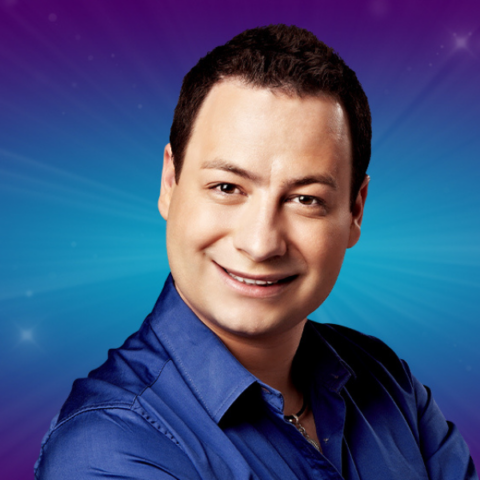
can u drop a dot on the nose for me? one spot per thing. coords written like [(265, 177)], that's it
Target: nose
[(259, 233)]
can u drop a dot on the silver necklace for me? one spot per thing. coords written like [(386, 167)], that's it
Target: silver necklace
[(294, 420)]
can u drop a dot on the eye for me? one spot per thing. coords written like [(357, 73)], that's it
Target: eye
[(227, 188), (308, 205), (307, 200)]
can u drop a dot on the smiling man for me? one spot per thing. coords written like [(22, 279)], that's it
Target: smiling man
[(263, 189)]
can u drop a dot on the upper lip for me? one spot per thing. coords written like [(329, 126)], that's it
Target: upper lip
[(269, 277)]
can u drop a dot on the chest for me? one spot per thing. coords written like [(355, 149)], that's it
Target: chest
[(253, 441)]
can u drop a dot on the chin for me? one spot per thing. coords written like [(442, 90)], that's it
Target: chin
[(240, 328), (252, 324)]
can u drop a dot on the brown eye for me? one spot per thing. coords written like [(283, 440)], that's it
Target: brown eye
[(227, 188), (306, 199)]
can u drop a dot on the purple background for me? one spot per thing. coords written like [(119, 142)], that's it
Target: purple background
[(87, 92)]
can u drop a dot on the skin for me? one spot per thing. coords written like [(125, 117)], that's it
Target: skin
[(264, 193)]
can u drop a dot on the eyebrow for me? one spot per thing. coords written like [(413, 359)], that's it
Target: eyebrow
[(220, 164), (310, 179)]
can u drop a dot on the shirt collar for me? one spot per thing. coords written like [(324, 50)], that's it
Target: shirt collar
[(207, 366), (215, 376), (316, 360)]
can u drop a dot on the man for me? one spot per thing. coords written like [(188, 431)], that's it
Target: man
[(263, 189)]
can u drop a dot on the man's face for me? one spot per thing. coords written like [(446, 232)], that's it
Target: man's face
[(258, 224)]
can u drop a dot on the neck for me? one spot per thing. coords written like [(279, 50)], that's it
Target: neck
[(270, 360)]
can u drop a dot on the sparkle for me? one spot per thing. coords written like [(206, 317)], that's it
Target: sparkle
[(26, 335), (461, 42), (379, 8)]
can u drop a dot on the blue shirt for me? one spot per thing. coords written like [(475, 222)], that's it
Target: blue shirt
[(173, 402)]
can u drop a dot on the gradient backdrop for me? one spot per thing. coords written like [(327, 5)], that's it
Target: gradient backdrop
[(87, 92)]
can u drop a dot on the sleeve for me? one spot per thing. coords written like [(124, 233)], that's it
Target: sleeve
[(445, 452), (111, 443)]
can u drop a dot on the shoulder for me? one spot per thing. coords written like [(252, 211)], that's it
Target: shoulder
[(128, 371), (341, 334), (115, 442), (100, 430), (345, 338), (366, 355)]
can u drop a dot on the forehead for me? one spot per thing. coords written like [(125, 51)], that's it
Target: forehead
[(230, 97), (257, 125)]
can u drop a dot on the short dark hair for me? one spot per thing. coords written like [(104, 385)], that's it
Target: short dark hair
[(277, 57)]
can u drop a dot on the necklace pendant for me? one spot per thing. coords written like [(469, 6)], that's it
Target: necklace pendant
[(293, 419), (314, 443)]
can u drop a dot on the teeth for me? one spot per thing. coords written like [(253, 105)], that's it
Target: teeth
[(250, 281)]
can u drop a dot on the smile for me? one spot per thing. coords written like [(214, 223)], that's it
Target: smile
[(250, 281), (259, 280), (266, 286)]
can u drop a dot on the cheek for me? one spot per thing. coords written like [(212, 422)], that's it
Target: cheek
[(196, 226), (325, 248)]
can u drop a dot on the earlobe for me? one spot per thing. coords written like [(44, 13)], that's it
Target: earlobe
[(168, 183), (357, 213)]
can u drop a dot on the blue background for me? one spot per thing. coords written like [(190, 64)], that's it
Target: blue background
[(87, 92)]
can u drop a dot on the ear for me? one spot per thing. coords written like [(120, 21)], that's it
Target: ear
[(168, 182), (357, 213)]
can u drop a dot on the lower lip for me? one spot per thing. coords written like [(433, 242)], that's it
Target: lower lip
[(254, 291)]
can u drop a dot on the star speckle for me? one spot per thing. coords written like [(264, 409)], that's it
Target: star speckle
[(461, 41), (379, 8), (26, 335)]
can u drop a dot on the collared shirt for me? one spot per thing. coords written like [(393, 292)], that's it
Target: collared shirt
[(174, 403)]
